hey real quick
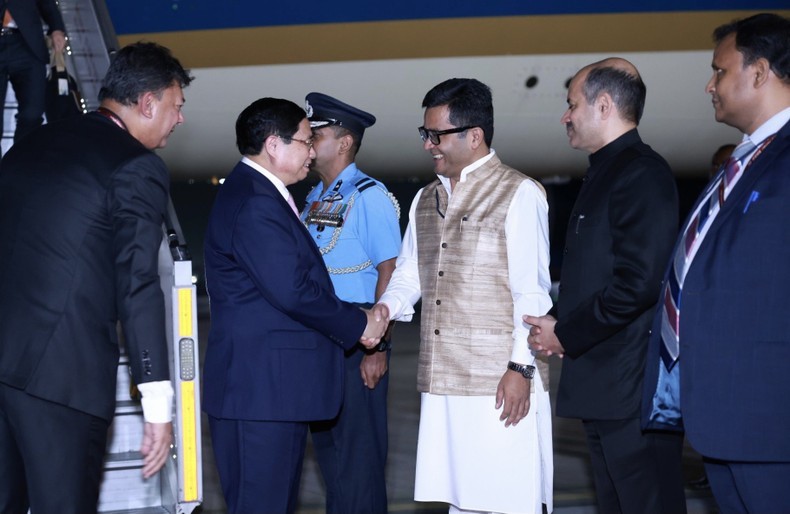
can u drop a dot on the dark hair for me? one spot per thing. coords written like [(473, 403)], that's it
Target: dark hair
[(141, 68), (469, 102), (627, 90), (762, 36), (266, 117), (356, 140)]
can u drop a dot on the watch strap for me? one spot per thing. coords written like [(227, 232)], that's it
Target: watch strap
[(526, 370)]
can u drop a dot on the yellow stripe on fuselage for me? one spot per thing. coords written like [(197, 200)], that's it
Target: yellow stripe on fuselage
[(454, 37)]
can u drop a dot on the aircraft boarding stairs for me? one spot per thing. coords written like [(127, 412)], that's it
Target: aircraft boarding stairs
[(178, 488)]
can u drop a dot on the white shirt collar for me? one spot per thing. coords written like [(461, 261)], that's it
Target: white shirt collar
[(466, 171), (772, 126), (268, 174)]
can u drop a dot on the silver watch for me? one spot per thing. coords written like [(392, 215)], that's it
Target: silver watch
[(526, 370)]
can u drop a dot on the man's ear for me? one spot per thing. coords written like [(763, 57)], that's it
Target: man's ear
[(346, 142), (476, 137), (604, 105), (270, 145), (761, 71), (147, 104)]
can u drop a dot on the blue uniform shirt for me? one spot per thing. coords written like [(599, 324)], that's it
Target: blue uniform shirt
[(368, 231)]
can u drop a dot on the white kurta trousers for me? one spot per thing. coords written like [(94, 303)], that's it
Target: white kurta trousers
[(467, 458)]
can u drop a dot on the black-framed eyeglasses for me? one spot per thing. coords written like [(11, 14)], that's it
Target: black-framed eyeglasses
[(307, 142), (433, 135)]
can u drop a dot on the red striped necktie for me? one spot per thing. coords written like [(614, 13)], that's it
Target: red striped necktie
[(689, 242)]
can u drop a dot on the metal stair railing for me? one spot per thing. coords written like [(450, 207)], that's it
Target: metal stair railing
[(91, 42)]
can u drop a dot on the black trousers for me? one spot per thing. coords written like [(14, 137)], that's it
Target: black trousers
[(28, 76), (635, 472), (50, 456)]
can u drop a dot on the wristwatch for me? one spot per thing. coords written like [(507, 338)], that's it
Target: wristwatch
[(526, 370)]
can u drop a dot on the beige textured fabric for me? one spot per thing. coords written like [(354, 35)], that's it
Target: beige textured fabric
[(467, 307)]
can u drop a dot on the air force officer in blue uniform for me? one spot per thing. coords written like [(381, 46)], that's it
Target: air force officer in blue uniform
[(274, 360), (354, 221)]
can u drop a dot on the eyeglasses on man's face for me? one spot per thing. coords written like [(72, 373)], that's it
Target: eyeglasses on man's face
[(307, 142), (433, 135)]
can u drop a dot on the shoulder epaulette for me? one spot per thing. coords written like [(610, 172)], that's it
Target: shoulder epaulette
[(365, 183)]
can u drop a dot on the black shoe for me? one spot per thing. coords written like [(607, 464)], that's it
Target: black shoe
[(699, 484)]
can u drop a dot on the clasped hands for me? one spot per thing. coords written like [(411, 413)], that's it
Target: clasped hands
[(542, 339), (378, 321)]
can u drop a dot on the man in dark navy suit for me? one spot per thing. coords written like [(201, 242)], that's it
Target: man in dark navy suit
[(24, 56), (278, 332), (720, 345)]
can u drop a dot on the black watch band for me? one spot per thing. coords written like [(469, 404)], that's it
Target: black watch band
[(526, 370), (383, 346)]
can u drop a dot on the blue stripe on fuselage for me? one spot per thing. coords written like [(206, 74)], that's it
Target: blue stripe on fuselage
[(147, 16)]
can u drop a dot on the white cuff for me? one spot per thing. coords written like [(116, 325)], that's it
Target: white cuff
[(157, 401), (521, 354)]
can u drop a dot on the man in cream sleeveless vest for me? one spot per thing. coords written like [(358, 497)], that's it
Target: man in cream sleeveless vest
[(476, 250)]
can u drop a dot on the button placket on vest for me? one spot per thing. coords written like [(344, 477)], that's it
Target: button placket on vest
[(441, 274)]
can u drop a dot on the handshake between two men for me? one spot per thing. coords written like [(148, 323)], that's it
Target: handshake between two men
[(541, 338), (378, 321)]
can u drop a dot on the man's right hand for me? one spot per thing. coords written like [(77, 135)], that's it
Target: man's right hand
[(378, 321), (156, 447)]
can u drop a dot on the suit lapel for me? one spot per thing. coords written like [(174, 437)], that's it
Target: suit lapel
[(263, 186), (736, 202)]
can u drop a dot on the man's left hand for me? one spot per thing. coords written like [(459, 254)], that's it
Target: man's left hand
[(542, 339), (157, 438), (373, 368), (512, 395)]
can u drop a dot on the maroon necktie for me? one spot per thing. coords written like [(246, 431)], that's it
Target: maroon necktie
[(670, 322)]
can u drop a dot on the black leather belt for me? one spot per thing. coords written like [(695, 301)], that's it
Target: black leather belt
[(8, 31)]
